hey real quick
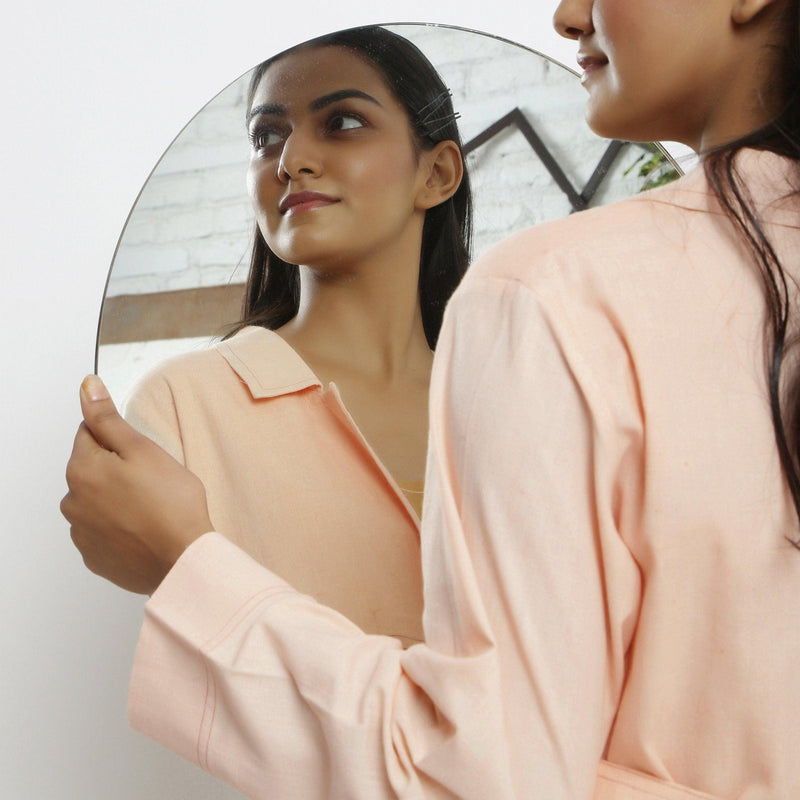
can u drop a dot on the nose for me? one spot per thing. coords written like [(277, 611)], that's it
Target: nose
[(573, 18), (298, 157)]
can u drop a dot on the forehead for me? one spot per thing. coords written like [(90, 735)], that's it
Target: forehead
[(309, 72)]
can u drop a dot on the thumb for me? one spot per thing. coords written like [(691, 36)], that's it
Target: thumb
[(102, 418)]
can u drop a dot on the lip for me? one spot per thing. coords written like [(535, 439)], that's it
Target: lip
[(298, 202), (591, 62)]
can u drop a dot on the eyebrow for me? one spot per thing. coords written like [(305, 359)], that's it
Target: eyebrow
[(279, 110), (342, 94), (271, 109)]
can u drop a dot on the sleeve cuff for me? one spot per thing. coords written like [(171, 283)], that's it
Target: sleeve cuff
[(212, 588)]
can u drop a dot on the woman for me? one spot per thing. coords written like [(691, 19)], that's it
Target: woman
[(355, 175), (609, 540)]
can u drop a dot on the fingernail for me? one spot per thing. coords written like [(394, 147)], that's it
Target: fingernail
[(94, 388)]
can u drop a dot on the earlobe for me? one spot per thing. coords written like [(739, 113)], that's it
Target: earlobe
[(443, 172), (744, 11)]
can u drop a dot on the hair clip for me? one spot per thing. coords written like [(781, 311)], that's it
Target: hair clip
[(427, 121)]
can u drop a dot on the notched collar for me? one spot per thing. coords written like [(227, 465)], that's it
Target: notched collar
[(266, 363)]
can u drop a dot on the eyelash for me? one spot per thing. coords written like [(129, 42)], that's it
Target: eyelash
[(339, 115), (259, 133)]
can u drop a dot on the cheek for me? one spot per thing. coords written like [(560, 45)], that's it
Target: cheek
[(392, 158), (259, 186), (395, 176), (635, 33), (260, 189), (616, 21)]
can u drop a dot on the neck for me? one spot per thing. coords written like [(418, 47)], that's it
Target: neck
[(362, 321), (754, 93)]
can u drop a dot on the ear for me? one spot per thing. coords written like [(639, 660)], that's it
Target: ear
[(442, 170), (744, 11)]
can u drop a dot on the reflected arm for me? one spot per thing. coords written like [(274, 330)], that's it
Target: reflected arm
[(152, 410)]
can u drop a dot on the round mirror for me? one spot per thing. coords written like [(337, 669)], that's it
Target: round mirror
[(178, 275)]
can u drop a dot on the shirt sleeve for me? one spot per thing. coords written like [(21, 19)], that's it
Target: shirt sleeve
[(530, 597), (151, 409)]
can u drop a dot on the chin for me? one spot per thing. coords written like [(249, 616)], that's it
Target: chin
[(601, 119), (625, 130), (304, 250)]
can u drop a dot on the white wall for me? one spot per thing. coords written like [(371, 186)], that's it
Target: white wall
[(93, 93)]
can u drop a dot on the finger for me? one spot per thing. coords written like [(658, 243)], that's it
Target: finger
[(102, 419), (66, 506), (82, 460), (84, 443), (87, 461)]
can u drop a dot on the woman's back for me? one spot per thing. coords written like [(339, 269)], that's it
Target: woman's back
[(654, 316)]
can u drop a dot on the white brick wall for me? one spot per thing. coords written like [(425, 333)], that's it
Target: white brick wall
[(191, 223)]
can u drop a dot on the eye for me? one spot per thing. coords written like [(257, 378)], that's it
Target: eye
[(345, 121), (264, 137)]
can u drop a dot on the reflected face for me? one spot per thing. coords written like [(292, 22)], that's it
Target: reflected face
[(333, 173), (678, 70)]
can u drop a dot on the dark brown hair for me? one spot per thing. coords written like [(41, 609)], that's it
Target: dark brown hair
[(781, 136)]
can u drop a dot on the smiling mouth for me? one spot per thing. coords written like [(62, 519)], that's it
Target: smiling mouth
[(304, 201), (591, 63)]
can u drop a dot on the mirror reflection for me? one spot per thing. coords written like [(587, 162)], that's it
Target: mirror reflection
[(315, 218), (178, 276)]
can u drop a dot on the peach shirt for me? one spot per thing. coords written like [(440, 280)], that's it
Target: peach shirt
[(289, 477), (607, 574)]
